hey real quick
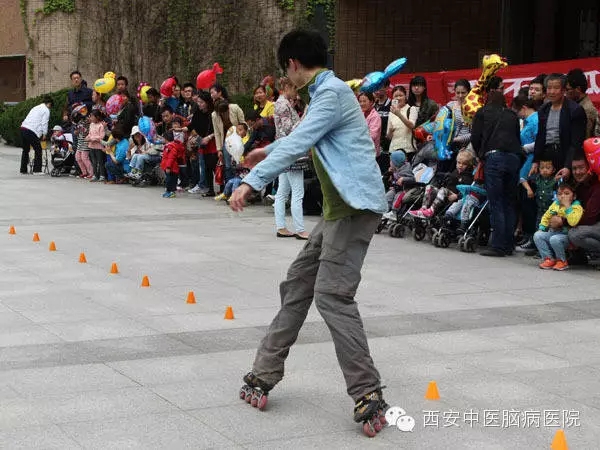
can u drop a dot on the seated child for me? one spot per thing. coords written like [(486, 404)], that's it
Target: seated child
[(401, 172), (141, 152), (240, 172), (173, 155), (117, 164), (59, 141), (552, 238), (436, 198)]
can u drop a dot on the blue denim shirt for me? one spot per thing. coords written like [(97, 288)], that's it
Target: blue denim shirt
[(335, 126)]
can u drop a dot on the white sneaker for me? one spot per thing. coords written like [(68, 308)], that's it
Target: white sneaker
[(39, 173), (196, 189)]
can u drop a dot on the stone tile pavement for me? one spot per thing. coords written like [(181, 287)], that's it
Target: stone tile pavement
[(91, 360)]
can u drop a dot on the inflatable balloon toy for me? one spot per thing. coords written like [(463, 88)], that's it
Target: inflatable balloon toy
[(147, 128), (443, 129), (376, 80), (114, 104), (167, 86), (104, 85), (142, 92), (110, 75), (591, 148), (207, 78), (475, 98), (268, 83), (355, 84), (235, 146)]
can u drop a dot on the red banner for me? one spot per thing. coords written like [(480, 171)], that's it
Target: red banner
[(440, 85)]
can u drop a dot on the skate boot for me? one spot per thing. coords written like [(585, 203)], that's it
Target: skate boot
[(255, 391), (370, 410)]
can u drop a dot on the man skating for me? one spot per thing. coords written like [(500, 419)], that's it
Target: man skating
[(328, 267)]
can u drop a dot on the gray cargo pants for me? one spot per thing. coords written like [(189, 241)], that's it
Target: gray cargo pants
[(328, 270)]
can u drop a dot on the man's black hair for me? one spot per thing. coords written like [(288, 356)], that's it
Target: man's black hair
[(75, 72), (556, 76), (539, 80), (220, 88), (308, 47), (493, 83), (577, 79), (188, 85), (118, 132), (122, 78), (166, 108), (153, 92), (48, 100)]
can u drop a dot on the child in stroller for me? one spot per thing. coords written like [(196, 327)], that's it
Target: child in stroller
[(465, 220), (61, 152), (406, 194)]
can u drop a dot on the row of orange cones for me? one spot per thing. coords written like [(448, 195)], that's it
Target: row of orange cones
[(114, 269)]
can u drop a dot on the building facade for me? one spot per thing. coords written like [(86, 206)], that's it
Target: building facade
[(13, 50)]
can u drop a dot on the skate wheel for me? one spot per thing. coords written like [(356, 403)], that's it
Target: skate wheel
[(249, 396), (377, 424), (262, 402), (254, 401), (382, 419), (369, 430)]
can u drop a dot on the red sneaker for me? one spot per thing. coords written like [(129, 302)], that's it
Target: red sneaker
[(548, 263), (561, 265)]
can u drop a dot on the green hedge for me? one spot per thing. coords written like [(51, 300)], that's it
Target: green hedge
[(244, 101), (11, 117)]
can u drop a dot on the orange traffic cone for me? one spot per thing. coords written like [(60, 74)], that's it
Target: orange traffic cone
[(52, 246), (559, 442), (432, 391), (11, 230), (36, 237), (82, 258), (191, 298), (229, 313), (145, 281), (114, 269)]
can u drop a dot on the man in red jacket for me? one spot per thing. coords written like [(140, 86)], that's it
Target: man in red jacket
[(586, 235)]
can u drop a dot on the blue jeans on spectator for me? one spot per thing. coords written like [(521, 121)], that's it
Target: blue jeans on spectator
[(201, 171), (114, 171), (552, 244), (290, 181), (138, 160), (228, 171), (232, 185), (501, 172)]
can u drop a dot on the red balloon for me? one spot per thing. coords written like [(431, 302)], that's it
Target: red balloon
[(591, 147), (166, 88), (208, 77)]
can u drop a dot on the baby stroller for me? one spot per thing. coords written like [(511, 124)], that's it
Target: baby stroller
[(475, 234), (152, 174), (426, 227), (407, 198), (62, 155)]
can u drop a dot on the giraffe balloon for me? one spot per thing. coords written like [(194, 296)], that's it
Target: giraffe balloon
[(475, 99)]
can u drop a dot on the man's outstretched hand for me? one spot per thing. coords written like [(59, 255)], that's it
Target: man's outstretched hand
[(239, 197), (254, 157)]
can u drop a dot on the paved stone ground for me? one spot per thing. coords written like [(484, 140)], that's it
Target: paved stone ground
[(91, 360)]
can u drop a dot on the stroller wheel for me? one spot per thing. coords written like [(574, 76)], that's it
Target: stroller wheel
[(419, 232), (400, 231), (444, 240), (392, 230), (461, 244), (435, 239), (380, 226), (470, 244)]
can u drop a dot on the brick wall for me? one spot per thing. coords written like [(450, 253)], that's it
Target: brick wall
[(434, 35), (12, 34)]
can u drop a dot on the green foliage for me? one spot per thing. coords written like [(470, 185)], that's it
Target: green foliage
[(30, 68), (287, 5), (23, 9), (52, 6), (244, 101), (11, 117), (329, 8)]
